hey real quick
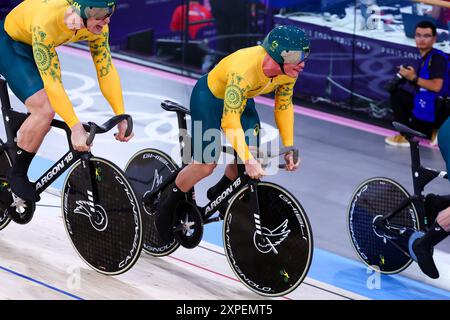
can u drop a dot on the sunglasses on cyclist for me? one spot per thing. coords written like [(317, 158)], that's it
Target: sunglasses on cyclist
[(295, 57), (100, 13), (303, 55)]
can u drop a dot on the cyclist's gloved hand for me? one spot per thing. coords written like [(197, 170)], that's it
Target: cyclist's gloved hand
[(79, 137), (289, 159), (254, 169), (122, 127)]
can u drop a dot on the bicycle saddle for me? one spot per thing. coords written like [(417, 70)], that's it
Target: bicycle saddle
[(173, 106), (407, 131)]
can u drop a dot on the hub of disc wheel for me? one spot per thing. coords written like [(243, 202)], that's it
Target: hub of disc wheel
[(188, 225), (21, 211)]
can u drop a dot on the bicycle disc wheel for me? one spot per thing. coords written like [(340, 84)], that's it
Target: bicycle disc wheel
[(5, 193), (278, 261), (146, 170), (104, 224), (378, 197)]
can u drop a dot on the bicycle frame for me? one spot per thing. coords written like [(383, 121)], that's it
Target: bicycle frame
[(234, 187), (13, 120), (421, 177)]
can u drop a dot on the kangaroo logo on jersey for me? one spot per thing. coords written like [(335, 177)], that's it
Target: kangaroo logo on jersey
[(270, 239)]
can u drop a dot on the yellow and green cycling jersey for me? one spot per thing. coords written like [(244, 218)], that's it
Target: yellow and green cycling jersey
[(40, 24), (239, 77)]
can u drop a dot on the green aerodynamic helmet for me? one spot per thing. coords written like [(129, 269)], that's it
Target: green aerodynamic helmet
[(287, 44), (98, 9)]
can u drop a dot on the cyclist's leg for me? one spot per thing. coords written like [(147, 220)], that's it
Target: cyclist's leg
[(206, 117), (435, 204), (439, 230), (19, 69), (251, 125), (443, 219), (227, 178), (206, 114), (30, 136), (37, 125), (423, 246)]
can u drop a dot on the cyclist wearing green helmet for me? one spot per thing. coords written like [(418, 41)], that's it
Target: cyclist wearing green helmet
[(223, 100), (98, 9), (287, 44), (29, 36), (93, 9)]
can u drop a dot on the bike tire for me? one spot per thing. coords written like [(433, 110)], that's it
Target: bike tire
[(280, 267), (5, 193), (374, 197), (142, 170), (111, 244)]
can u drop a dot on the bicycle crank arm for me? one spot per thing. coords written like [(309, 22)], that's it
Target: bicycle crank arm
[(402, 241), (396, 235)]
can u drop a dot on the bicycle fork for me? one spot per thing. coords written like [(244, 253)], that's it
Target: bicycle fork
[(253, 197), (98, 219)]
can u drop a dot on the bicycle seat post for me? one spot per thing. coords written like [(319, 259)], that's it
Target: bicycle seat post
[(415, 164), (421, 176), (6, 110), (183, 138), (415, 154), (6, 104)]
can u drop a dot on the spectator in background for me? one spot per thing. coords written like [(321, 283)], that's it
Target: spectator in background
[(431, 81), (367, 10), (197, 12), (441, 14)]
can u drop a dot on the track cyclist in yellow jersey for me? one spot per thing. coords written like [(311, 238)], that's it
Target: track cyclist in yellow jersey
[(223, 99), (29, 36)]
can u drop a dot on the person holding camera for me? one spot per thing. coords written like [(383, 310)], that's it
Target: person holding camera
[(420, 110)]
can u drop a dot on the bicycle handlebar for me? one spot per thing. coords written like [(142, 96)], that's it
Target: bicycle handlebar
[(267, 155), (294, 154), (281, 152), (108, 125)]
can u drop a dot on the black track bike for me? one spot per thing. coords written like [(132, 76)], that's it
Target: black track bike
[(267, 236), (100, 211), (384, 219)]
